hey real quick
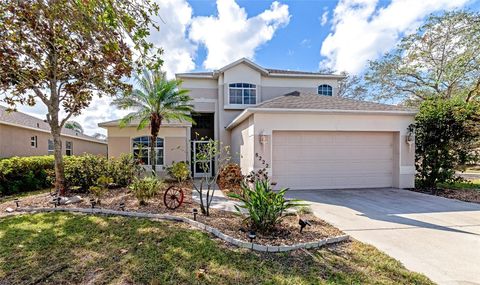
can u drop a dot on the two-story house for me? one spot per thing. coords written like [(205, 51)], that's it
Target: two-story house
[(309, 137)]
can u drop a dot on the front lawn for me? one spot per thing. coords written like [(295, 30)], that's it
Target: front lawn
[(467, 185), (60, 248)]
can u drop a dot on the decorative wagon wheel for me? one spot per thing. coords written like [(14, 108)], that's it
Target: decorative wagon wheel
[(173, 197)]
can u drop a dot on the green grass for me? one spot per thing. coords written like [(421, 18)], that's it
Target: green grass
[(468, 185), (22, 195), (64, 248)]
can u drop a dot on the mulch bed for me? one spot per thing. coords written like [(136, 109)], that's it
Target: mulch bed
[(466, 195), (229, 223)]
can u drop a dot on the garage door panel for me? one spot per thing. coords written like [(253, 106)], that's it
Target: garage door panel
[(327, 154), (332, 168), (326, 160)]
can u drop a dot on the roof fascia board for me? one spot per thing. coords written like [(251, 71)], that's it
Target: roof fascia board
[(244, 60), (247, 112), (48, 132)]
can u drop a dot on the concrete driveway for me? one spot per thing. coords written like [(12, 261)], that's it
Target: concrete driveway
[(432, 235)]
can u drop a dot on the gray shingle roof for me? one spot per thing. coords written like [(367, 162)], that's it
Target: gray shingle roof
[(284, 71), (135, 122), (297, 100), (22, 119)]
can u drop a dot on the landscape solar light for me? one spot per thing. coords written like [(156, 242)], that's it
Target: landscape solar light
[(56, 201), (252, 235), (17, 202), (92, 201), (122, 206), (303, 224), (195, 213)]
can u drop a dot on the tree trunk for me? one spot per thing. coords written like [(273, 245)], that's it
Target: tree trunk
[(59, 171), (153, 162)]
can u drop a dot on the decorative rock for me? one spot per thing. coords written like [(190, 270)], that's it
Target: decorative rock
[(259, 247), (72, 200), (9, 210), (272, 248)]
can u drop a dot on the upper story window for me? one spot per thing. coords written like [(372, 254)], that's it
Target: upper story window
[(141, 150), (325, 89), (242, 93), (34, 142)]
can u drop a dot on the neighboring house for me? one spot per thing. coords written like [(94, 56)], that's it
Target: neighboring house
[(308, 137), (24, 135)]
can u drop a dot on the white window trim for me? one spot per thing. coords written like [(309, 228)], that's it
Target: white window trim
[(149, 150), (318, 90), (34, 140), (243, 96)]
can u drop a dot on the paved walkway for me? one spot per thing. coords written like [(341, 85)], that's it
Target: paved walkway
[(432, 235)]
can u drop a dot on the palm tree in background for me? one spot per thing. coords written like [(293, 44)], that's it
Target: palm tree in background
[(73, 125), (155, 100)]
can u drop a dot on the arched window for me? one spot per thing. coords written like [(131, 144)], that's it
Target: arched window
[(242, 93), (325, 89), (141, 150)]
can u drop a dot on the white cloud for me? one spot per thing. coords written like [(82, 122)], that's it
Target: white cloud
[(231, 34), (361, 31), (306, 43), (175, 17), (324, 18)]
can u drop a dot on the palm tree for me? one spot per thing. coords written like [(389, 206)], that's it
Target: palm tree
[(73, 125), (155, 100)]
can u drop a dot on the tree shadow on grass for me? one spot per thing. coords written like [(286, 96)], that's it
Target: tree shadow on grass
[(67, 248)]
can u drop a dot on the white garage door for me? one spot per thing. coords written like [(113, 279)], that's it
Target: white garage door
[(332, 160)]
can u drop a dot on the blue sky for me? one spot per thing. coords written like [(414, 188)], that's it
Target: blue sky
[(304, 35)]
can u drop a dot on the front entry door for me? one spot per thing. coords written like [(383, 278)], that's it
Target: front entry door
[(198, 170)]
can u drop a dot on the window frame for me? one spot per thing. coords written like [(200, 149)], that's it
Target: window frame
[(67, 148), (146, 140), (328, 90), (34, 142), (248, 87), (50, 143)]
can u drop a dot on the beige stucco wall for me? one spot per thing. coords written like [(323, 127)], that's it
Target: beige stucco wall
[(211, 95), (266, 123), (242, 147), (175, 142), (15, 141)]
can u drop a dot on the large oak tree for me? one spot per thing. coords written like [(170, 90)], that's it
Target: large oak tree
[(64, 52), (440, 60)]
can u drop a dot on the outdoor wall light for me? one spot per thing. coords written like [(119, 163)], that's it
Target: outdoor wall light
[(92, 201), (17, 202), (195, 212), (263, 138), (122, 206), (303, 224), (410, 138)]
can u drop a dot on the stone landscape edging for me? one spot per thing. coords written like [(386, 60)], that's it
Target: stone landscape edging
[(198, 225)]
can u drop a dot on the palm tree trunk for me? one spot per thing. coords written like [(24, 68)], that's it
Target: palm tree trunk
[(153, 160)]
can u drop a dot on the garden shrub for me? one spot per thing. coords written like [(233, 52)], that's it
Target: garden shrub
[(446, 133), (230, 177), (179, 171), (146, 188), (84, 171), (18, 174), (123, 169), (265, 207), (23, 174)]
